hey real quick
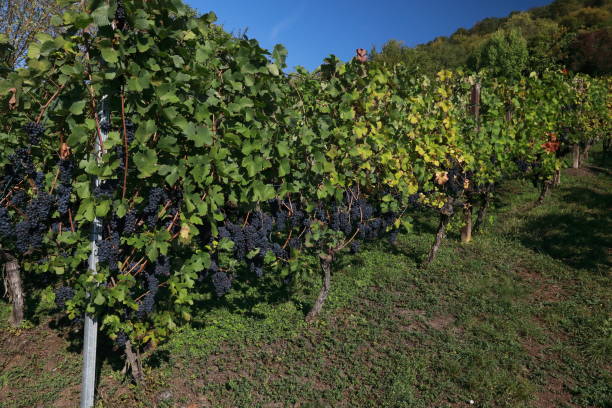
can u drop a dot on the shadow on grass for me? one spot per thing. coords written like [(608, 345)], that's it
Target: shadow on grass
[(601, 159), (580, 239)]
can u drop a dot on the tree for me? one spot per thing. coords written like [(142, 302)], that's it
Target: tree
[(590, 53), (545, 40), (395, 52), (20, 21), (587, 18), (5, 51), (505, 54)]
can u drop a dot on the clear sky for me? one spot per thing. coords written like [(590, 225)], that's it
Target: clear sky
[(313, 29)]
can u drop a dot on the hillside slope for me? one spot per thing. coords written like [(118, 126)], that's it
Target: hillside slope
[(575, 33)]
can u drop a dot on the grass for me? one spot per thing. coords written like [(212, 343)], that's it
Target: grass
[(520, 317)]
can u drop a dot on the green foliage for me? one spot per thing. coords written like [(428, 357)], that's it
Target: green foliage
[(505, 54), (589, 52), (224, 134), (5, 51)]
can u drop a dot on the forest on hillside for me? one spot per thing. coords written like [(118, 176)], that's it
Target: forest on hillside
[(574, 33)]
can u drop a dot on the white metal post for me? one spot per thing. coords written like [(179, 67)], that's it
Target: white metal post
[(90, 337)]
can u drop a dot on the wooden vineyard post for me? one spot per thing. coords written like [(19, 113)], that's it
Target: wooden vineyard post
[(576, 156), (466, 231), (482, 212), (14, 288), (475, 104), (557, 178)]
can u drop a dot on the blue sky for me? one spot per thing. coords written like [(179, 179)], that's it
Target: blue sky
[(313, 29)]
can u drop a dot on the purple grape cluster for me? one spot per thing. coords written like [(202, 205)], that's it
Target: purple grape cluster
[(34, 131), (456, 178), (156, 197), (64, 188), (39, 180), (522, 165), (21, 165), (6, 226), (19, 198), (148, 303), (29, 232), (108, 251), (356, 218), (129, 223), (62, 295), (121, 339), (162, 266), (120, 15), (222, 283)]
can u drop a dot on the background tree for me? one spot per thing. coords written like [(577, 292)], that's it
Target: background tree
[(20, 21), (505, 54), (394, 52), (5, 51), (545, 38), (590, 53)]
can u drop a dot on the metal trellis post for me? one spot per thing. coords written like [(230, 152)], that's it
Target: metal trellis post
[(90, 337)]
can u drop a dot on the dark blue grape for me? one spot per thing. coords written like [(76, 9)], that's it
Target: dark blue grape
[(162, 266), (106, 189), (34, 131), (121, 339), (295, 243), (156, 197), (64, 189), (222, 283), (18, 198), (21, 165), (393, 237), (224, 233), (62, 295), (129, 223), (278, 251), (120, 15), (281, 221), (6, 227), (148, 303)]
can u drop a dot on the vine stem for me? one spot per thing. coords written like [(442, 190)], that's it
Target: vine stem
[(444, 220), (133, 361), (287, 240), (347, 242), (173, 223), (46, 105), (161, 285), (137, 264), (326, 263), (246, 219), (10, 192), (54, 181), (70, 219)]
